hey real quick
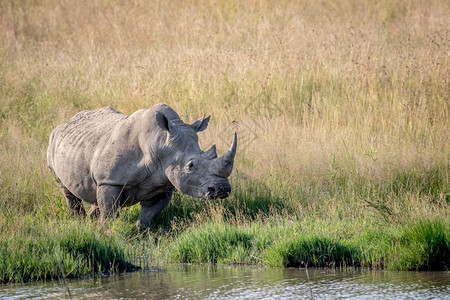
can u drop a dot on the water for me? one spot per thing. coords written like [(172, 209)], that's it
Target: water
[(230, 282)]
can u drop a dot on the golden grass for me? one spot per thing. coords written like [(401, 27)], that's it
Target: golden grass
[(314, 89)]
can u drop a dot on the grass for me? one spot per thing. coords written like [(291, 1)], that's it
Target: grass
[(342, 113), (311, 243), (72, 249)]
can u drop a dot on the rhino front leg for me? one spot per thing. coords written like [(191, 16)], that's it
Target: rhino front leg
[(108, 200), (151, 208)]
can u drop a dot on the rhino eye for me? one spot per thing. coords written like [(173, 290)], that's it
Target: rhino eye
[(190, 165)]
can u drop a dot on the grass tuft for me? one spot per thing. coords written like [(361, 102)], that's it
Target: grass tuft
[(311, 252), (213, 244), (425, 246), (68, 249)]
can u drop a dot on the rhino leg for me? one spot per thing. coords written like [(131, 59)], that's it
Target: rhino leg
[(151, 208), (108, 200), (75, 204), (94, 213)]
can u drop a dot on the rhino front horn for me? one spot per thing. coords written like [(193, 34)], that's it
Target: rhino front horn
[(224, 165)]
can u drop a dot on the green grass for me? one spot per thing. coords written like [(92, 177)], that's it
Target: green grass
[(41, 250), (349, 221), (424, 246), (213, 244)]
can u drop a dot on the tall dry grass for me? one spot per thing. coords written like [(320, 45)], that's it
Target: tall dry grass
[(310, 86)]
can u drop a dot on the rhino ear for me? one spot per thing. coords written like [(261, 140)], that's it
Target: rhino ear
[(200, 124), (164, 123)]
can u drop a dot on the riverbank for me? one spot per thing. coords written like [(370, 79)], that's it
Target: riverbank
[(341, 110), (74, 249), (247, 228)]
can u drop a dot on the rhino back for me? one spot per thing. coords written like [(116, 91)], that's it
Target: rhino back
[(72, 147)]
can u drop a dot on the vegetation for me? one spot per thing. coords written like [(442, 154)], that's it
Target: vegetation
[(342, 113), (68, 249), (314, 243)]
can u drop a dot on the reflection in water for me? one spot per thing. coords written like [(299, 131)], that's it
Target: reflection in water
[(231, 282)]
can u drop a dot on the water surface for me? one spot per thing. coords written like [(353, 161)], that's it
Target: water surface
[(235, 282)]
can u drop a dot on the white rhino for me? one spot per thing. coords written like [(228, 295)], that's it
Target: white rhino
[(110, 160)]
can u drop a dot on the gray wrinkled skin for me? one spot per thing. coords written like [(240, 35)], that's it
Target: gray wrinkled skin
[(110, 160)]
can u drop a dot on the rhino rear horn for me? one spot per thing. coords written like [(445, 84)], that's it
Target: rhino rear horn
[(211, 152), (224, 165)]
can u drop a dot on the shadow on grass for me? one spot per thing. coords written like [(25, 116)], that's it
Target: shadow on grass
[(249, 203), (312, 252), (253, 200)]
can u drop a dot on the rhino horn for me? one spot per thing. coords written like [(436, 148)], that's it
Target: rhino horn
[(224, 165), (211, 152)]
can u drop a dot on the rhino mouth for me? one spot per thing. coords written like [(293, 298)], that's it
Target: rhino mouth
[(217, 192)]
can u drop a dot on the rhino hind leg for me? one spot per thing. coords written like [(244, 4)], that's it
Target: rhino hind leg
[(94, 213), (75, 204), (151, 208)]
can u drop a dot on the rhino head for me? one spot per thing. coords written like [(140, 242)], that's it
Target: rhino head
[(189, 169)]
